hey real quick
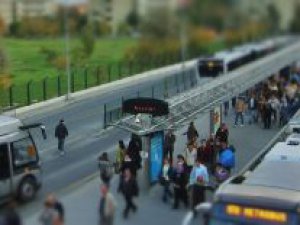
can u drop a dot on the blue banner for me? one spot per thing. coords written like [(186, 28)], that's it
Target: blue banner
[(156, 156)]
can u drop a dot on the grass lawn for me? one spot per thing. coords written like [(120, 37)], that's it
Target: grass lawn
[(27, 63)]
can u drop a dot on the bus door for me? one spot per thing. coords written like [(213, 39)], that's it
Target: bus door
[(5, 171)]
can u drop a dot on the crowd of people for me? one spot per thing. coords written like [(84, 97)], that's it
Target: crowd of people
[(271, 103)]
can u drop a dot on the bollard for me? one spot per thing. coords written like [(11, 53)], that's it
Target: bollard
[(58, 86), (11, 96), (45, 89), (177, 84)]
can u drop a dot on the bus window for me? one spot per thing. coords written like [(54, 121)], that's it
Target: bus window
[(24, 152), (4, 162)]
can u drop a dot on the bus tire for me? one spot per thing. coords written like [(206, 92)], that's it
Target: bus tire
[(27, 190)]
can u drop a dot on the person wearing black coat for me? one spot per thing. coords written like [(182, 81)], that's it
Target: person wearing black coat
[(61, 132), (222, 133), (128, 164), (133, 150), (192, 133), (180, 180), (129, 188), (169, 143)]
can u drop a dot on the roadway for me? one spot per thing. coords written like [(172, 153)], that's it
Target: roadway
[(83, 196)]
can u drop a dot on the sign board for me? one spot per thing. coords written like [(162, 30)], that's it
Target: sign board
[(156, 156), (154, 107)]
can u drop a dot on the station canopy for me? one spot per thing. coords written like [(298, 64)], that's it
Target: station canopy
[(188, 106)]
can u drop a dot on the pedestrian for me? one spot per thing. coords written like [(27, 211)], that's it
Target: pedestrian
[(53, 212), (239, 111), (134, 148), (129, 188), (61, 132), (11, 216), (192, 133), (120, 155), (128, 164), (275, 107), (169, 143), (226, 108), (222, 133), (180, 180), (267, 115), (252, 107), (107, 206), (165, 180), (106, 168), (190, 154), (198, 180), (226, 157)]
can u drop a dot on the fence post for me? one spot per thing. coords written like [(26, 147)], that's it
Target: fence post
[(130, 68), (28, 93), (120, 69), (11, 96), (72, 82), (109, 72), (105, 116), (98, 75), (58, 86), (45, 89), (86, 78)]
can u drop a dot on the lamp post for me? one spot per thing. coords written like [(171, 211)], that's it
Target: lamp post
[(183, 5), (67, 50)]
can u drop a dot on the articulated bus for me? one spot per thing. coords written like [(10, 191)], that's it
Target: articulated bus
[(267, 191)]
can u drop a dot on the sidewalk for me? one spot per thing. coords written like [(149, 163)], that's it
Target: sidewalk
[(81, 201)]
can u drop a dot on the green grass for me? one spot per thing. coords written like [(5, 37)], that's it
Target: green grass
[(27, 63)]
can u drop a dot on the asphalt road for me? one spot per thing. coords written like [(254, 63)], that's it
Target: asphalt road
[(86, 141), (81, 200)]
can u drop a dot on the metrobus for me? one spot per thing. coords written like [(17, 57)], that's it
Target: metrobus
[(267, 191), (20, 168)]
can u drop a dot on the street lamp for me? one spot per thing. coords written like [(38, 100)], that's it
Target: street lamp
[(67, 50)]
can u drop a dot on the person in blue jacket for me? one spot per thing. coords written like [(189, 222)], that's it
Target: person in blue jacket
[(226, 157)]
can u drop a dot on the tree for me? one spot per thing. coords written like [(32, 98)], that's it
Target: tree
[(295, 23), (274, 18), (2, 26)]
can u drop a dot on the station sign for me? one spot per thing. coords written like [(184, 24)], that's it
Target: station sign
[(154, 107)]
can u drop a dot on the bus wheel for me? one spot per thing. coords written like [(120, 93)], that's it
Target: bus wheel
[(27, 190)]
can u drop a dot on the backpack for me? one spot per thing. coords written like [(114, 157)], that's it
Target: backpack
[(227, 158)]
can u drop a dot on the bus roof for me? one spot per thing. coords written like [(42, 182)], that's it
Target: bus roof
[(274, 180), (9, 125)]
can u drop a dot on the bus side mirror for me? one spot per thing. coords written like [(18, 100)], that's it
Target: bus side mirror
[(43, 129)]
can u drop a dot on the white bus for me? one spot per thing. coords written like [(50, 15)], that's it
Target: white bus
[(20, 169)]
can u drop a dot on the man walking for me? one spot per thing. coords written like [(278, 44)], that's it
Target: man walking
[(169, 145), (239, 111), (61, 132), (129, 188), (198, 179), (107, 207)]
